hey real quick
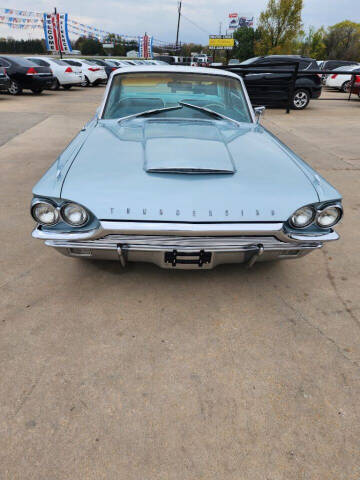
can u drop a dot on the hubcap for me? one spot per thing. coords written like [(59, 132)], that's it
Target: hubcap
[(14, 89), (300, 99)]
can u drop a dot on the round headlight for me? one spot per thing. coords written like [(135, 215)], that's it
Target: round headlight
[(329, 217), (303, 217), (45, 213), (74, 214)]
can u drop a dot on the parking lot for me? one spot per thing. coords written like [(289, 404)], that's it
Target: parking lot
[(152, 374)]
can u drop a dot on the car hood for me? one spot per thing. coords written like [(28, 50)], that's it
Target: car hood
[(256, 178)]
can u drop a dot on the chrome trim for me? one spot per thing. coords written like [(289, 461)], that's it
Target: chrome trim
[(326, 237), (325, 207), (64, 205), (186, 230), (38, 201)]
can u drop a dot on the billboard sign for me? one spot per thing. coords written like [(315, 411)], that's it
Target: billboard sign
[(56, 32), (221, 42), (239, 22)]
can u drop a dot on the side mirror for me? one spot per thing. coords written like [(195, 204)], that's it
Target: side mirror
[(258, 113)]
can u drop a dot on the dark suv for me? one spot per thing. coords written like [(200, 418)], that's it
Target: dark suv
[(272, 88)]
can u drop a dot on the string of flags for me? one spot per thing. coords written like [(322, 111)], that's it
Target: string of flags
[(30, 20)]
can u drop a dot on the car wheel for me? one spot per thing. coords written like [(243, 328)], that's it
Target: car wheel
[(14, 88), (300, 99), (67, 87), (86, 82), (55, 85), (345, 87), (37, 91)]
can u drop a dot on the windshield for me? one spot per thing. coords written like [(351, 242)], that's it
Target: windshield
[(134, 93)]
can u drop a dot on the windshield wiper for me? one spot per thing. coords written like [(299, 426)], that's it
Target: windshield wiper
[(210, 112), (150, 112)]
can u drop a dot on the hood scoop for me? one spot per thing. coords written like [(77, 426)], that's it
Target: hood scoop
[(189, 149)]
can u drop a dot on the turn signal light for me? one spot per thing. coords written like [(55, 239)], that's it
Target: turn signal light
[(68, 70)]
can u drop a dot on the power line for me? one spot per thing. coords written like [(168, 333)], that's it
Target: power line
[(195, 24)]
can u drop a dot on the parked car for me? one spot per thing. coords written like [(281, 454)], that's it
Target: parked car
[(340, 81), (333, 64), (108, 66), (92, 74), (356, 86), (234, 61), (176, 170), (64, 75), (4, 80), (272, 89), (26, 75)]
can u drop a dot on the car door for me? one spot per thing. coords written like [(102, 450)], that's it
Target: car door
[(268, 88)]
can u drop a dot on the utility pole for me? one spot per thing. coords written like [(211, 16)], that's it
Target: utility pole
[(220, 28), (178, 25)]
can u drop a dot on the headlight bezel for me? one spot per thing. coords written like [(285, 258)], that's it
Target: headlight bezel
[(319, 212), (35, 204), (66, 219), (311, 219)]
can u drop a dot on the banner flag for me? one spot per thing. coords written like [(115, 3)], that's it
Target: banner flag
[(56, 32), (146, 46)]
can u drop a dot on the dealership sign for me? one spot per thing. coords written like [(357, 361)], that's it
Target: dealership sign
[(221, 42), (56, 32)]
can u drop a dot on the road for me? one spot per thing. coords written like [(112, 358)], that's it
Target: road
[(151, 374)]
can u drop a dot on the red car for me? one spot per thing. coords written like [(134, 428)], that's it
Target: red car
[(356, 86)]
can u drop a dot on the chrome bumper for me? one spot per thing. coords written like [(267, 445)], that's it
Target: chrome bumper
[(184, 246)]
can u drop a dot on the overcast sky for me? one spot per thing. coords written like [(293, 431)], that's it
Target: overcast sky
[(159, 17)]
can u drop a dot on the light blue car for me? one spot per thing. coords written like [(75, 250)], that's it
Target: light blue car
[(176, 170)]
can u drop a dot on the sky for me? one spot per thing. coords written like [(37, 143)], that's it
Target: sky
[(159, 17)]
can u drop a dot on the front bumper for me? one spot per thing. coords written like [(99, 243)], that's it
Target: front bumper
[(184, 246)]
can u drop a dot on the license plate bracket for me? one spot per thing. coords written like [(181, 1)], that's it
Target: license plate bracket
[(188, 258)]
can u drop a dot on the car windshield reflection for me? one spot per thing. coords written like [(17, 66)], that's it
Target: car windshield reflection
[(134, 93)]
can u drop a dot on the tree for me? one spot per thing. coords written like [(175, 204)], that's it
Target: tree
[(90, 46), (343, 41), (279, 26), (245, 38), (312, 44)]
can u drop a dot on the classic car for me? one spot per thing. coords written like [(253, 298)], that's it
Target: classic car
[(175, 169)]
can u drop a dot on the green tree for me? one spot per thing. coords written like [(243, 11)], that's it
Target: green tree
[(279, 26), (91, 46), (343, 41), (312, 43), (245, 39)]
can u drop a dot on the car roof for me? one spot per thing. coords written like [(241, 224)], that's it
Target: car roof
[(175, 69)]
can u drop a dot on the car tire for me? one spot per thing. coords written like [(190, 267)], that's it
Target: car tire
[(301, 99), (55, 85), (86, 82), (345, 87), (15, 88), (37, 91)]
